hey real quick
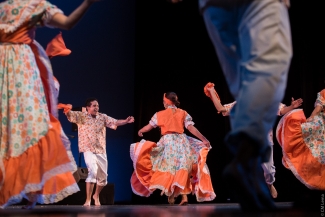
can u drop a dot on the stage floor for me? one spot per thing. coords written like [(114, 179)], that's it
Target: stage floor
[(285, 209)]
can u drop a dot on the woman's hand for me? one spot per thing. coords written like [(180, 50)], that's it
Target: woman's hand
[(207, 143), (129, 119), (211, 89), (140, 133), (296, 103)]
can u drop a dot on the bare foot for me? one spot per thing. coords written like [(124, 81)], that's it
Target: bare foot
[(96, 199), (87, 203), (273, 191), (184, 201), (171, 199)]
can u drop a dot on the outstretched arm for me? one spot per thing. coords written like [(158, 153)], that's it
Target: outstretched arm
[(145, 129), (294, 104), (67, 22), (197, 133), (128, 120)]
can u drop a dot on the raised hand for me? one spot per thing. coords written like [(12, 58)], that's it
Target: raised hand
[(296, 103)]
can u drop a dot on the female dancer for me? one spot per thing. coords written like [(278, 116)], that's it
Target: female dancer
[(176, 164), (34, 163), (303, 144)]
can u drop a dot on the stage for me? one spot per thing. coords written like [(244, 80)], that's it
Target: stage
[(198, 210)]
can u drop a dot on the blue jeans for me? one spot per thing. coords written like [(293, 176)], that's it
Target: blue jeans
[(253, 44)]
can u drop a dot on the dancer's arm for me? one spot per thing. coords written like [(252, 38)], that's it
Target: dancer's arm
[(294, 104), (199, 135), (215, 100), (128, 120), (145, 129), (67, 22)]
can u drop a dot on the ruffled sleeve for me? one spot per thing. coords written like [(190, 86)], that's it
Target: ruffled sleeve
[(188, 120), (153, 122), (320, 101), (281, 106), (49, 11)]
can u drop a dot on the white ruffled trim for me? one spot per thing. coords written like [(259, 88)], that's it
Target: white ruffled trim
[(137, 193), (53, 198), (198, 186), (134, 154), (132, 146), (7, 28), (165, 190), (37, 187)]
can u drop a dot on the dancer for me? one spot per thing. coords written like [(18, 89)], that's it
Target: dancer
[(177, 163), (34, 162), (92, 142), (302, 141), (268, 167)]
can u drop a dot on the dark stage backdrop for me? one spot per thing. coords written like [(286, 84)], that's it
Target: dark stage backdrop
[(174, 53), (101, 65)]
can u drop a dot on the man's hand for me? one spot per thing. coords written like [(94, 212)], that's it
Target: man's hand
[(140, 133), (296, 103)]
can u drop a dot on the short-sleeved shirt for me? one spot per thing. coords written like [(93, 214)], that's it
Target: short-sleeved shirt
[(92, 131)]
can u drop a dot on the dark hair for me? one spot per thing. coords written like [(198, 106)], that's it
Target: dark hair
[(173, 97), (89, 100)]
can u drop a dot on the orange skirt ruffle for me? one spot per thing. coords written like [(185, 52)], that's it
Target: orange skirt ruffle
[(296, 155), (44, 168)]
